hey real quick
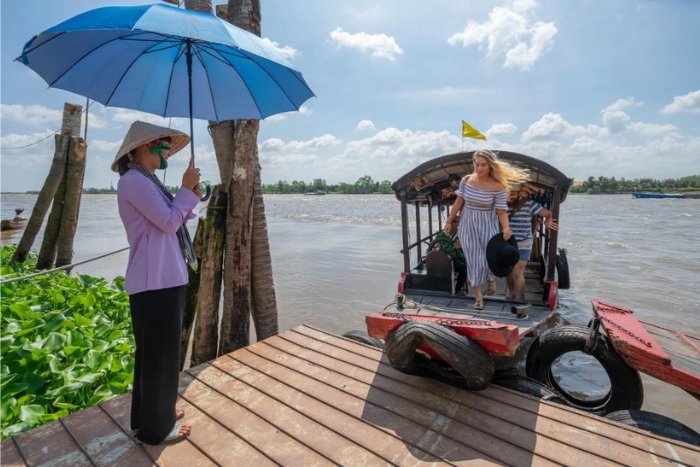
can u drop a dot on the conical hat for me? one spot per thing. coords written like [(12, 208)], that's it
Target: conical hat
[(141, 133)]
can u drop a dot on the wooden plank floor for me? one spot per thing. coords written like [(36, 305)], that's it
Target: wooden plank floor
[(307, 397)]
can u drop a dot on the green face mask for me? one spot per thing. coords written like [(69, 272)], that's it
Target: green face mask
[(157, 149)]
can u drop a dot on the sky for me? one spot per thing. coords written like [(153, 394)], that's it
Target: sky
[(593, 87)]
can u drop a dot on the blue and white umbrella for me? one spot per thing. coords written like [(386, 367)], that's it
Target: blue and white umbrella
[(167, 61)]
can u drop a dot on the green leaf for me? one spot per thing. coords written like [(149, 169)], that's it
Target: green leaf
[(55, 341), (14, 388), (80, 320), (34, 382), (54, 321), (31, 414), (14, 429)]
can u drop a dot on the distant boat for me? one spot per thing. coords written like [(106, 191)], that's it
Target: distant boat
[(657, 195), (315, 193), (15, 223)]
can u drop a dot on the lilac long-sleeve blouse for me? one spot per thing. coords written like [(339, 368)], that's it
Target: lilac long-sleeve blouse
[(151, 220)]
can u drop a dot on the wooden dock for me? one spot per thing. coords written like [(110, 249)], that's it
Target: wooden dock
[(307, 397)]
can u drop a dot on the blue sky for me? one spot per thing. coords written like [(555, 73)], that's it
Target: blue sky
[(594, 87)]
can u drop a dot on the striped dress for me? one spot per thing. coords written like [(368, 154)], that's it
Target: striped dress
[(477, 224)]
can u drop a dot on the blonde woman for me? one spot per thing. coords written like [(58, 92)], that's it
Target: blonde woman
[(481, 205)]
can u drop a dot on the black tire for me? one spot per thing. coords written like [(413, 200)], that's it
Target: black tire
[(626, 391), (656, 424), (464, 355), (364, 338), (564, 280), (531, 387)]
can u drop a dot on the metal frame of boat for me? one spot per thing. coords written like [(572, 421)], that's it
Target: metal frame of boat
[(426, 291)]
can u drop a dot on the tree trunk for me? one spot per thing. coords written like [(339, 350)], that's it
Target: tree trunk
[(199, 5), (75, 174), (189, 312), (239, 139), (206, 335), (246, 14), (264, 299), (70, 126), (49, 244)]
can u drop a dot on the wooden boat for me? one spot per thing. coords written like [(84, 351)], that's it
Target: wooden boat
[(427, 287), (666, 354), (15, 223), (657, 195)]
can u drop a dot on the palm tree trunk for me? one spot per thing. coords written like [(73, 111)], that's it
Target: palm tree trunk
[(264, 298), (75, 174), (206, 336), (246, 14), (70, 126)]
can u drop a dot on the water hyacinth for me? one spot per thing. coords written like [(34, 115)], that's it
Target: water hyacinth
[(65, 344)]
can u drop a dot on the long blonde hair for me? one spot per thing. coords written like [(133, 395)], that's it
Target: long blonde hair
[(501, 171)]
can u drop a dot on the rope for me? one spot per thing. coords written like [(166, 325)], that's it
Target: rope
[(49, 271)]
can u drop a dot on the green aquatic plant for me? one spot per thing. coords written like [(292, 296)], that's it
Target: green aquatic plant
[(65, 344)]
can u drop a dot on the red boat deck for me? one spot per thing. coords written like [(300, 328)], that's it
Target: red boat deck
[(663, 353), (310, 398)]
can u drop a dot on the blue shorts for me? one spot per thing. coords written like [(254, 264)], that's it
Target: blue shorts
[(525, 255)]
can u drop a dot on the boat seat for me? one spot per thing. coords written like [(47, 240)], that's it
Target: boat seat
[(438, 265)]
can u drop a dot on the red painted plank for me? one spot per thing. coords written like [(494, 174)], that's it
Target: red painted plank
[(640, 350), (628, 335), (496, 339)]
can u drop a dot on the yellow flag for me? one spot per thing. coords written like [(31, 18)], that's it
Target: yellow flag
[(469, 131)]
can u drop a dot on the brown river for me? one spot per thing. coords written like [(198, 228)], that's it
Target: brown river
[(336, 258)]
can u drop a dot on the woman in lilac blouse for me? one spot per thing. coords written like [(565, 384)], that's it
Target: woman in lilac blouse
[(156, 274)]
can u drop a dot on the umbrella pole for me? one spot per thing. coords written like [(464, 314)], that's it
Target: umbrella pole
[(188, 53), (189, 83)]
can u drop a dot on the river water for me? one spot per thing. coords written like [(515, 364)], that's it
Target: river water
[(336, 258)]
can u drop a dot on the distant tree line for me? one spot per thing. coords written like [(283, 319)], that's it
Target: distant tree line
[(364, 185), (612, 185)]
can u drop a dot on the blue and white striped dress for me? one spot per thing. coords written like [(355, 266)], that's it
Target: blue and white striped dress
[(478, 223)]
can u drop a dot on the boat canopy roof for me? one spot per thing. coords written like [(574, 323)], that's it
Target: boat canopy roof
[(437, 179)]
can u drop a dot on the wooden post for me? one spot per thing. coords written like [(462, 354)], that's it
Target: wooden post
[(69, 127), (206, 335), (404, 234), (419, 250), (553, 235), (189, 312), (75, 175)]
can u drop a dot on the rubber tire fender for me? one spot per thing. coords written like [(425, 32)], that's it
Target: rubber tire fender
[(364, 338), (530, 387), (656, 424), (563, 278), (463, 354), (626, 391)]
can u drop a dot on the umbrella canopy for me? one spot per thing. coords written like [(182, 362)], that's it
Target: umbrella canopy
[(167, 61)]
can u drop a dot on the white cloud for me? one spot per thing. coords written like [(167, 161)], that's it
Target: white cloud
[(377, 45), (616, 121), (286, 51), (552, 126), (277, 145), (500, 129), (106, 146), (303, 110), (687, 103), (129, 116), (621, 104), (365, 125), (507, 32), (36, 115), (651, 128), (42, 139)]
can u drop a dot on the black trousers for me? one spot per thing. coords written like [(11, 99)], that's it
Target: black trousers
[(156, 317), (460, 265)]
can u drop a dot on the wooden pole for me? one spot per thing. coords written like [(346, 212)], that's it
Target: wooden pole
[(404, 234), (553, 235), (70, 126), (189, 312), (75, 175), (206, 332)]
